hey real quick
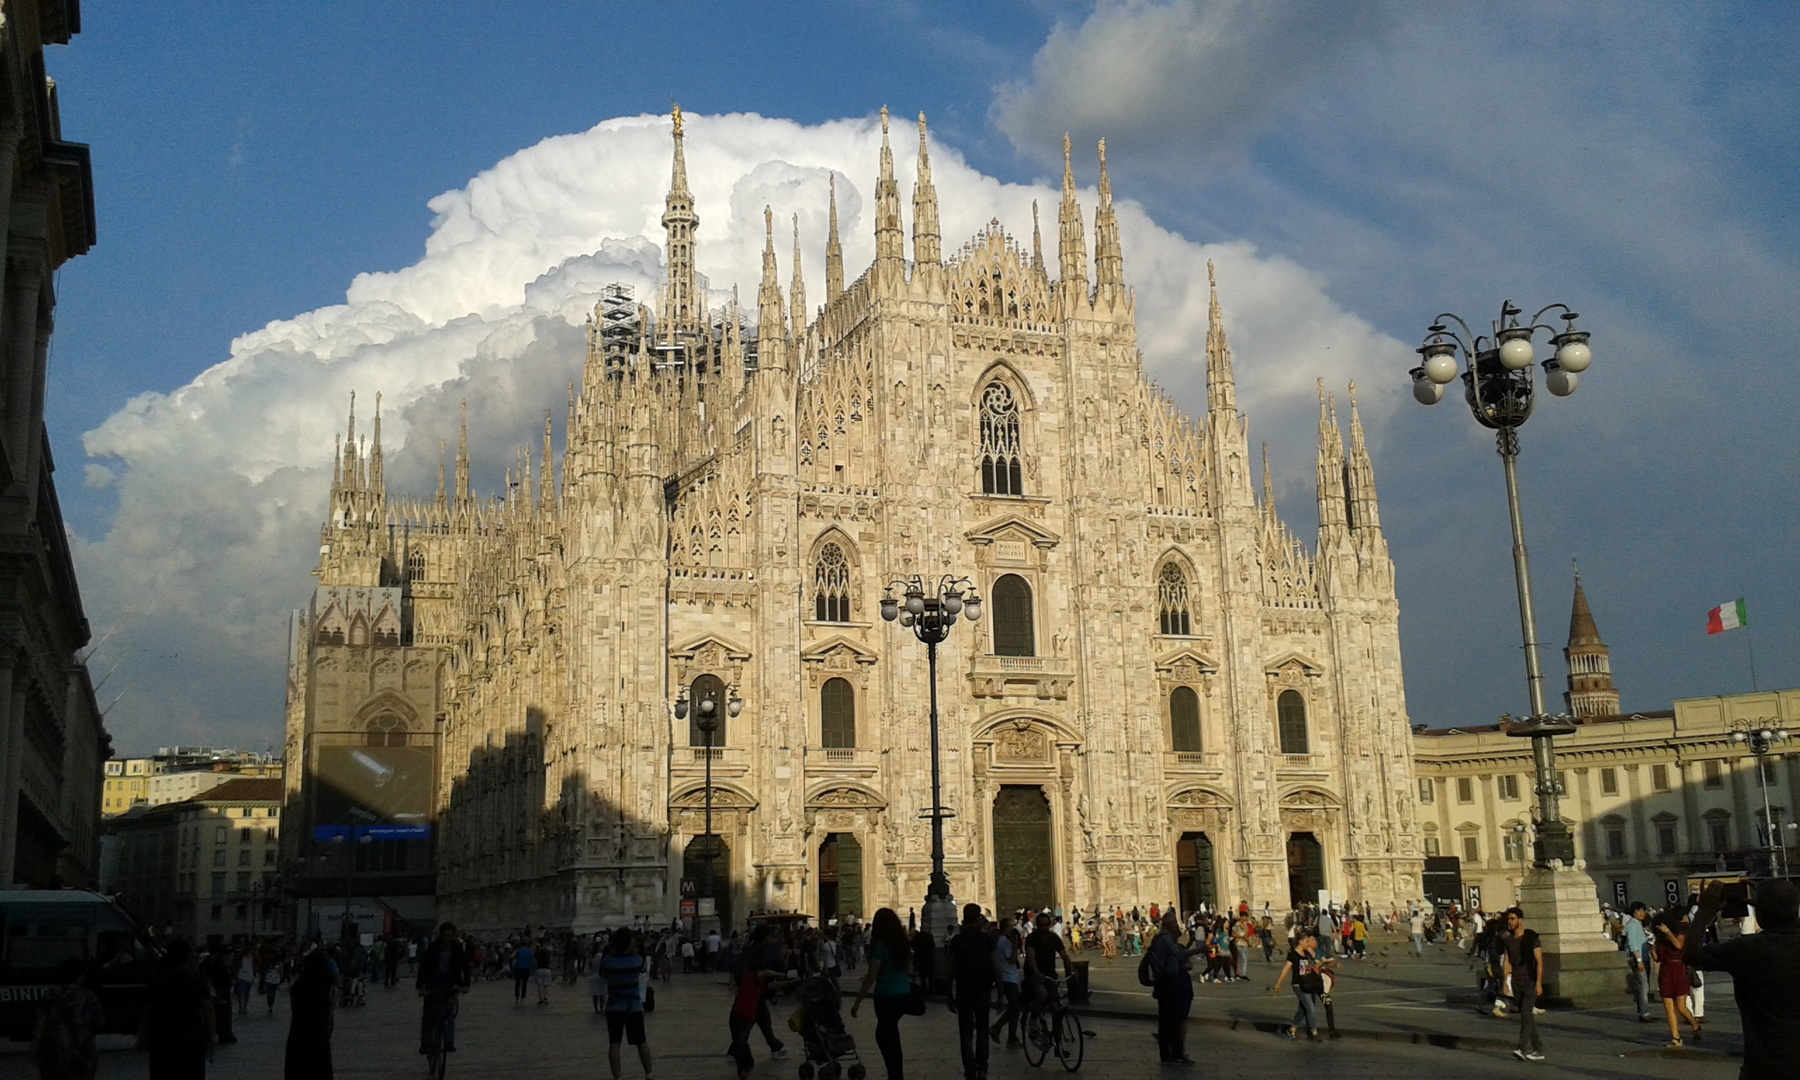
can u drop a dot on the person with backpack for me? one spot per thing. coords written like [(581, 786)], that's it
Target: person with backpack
[(1165, 969)]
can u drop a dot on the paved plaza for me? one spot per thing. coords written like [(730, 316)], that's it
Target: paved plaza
[(1392, 1010)]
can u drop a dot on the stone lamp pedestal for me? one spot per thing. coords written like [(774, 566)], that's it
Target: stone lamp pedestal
[(1582, 967)]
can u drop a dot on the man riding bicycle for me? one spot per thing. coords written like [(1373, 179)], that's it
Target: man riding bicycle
[(443, 974), (1042, 947)]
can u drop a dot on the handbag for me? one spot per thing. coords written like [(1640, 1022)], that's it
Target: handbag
[(649, 999), (915, 1000)]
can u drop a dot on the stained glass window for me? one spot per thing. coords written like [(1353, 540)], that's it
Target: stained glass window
[(1000, 466), (1172, 600), (831, 585)]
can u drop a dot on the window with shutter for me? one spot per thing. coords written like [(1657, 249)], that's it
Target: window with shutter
[(1014, 634), (1184, 720), (1290, 716), (837, 715)]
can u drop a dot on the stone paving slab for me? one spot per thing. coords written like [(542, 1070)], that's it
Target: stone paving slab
[(565, 1040)]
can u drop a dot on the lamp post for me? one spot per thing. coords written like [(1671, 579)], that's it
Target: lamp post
[(1519, 830), (1499, 386), (930, 618), (707, 720), (1760, 737), (349, 872)]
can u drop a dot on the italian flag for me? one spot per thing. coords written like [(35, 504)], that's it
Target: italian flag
[(1727, 617)]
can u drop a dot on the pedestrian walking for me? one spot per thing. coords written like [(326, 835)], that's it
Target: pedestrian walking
[(179, 1018), (1304, 961), (622, 968), (521, 969), (753, 985), (1765, 974), (1636, 931), (1006, 950), (62, 1038), (974, 969), (1173, 988), (1416, 927), (1525, 966), (890, 978), (307, 1055), (1672, 976)]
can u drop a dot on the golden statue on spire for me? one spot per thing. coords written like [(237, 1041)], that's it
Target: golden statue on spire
[(675, 112)]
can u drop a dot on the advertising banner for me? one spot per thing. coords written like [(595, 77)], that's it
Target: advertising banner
[(374, 786)]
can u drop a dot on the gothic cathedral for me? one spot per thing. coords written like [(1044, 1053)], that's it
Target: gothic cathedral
[(1166, 699)]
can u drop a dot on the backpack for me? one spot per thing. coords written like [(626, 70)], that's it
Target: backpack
[(1146, 970)]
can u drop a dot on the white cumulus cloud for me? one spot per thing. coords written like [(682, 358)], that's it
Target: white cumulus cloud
[(221, 484)]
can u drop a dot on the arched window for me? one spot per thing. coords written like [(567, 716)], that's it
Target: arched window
[(415, 566), (1000, 469), (1184, 720), (386, 730), (1172, 600), (831, 585), (1290, 717), (1013, 632), (706, 688), (837, 715)]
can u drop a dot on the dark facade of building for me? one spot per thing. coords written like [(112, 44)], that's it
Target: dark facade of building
[(52, 742)]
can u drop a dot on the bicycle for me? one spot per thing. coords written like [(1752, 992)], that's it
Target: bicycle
[(1050, 1028), (441, 1010)]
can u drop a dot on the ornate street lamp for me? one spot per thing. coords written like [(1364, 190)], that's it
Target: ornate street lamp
[(1499, 385), (930, 618), (707, 720), (1520, 831), (1760, 737)]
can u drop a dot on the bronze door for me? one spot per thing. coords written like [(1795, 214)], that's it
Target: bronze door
[(1194, 867), (1306, 868), (1024, 861)]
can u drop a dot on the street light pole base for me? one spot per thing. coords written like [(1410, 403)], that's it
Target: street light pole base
[(1581, 966), (938, 918)]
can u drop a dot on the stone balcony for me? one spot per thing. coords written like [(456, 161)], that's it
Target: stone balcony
[(727, 761), (1185, 763), (842, 762), (1046, 678)]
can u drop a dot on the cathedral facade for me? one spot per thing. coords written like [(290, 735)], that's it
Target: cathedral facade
[(1167, 698)]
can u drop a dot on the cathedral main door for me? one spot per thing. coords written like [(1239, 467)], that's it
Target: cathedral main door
[(1024, 860), (1306, 868), (1194, 868), (840, 877), (694, 868)]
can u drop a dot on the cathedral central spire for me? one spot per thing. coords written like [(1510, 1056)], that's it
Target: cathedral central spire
[(1109, 260), (683, 308), (1221, 392)]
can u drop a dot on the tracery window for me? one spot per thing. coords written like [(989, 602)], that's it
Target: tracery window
[(1013, 629), (415, 566), (1172, 600), (831, 585), (837, 715), (385, 730), (1000, 453), (1290, 718), (1184, 720)]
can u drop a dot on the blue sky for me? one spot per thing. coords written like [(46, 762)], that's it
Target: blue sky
[(1384, 161)]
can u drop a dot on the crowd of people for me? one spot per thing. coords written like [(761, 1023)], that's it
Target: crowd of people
[(989, 973)]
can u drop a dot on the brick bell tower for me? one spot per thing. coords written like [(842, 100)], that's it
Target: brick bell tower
[(1590, 690)]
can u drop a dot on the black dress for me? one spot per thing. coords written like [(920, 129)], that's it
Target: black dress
[(309, 1032)]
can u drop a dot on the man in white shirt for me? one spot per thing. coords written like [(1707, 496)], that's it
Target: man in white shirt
[(1416, 927)]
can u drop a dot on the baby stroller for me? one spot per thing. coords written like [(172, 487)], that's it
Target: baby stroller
[(821, 1028)]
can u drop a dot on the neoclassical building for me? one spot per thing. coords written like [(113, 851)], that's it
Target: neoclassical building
[(1169, 697)]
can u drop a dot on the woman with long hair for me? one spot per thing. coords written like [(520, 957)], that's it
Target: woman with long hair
[(889, 976), (1672, 974)]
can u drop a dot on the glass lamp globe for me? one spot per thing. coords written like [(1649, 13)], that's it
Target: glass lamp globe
[(1574, 357), (1516, 354), (1440, 368), (890, 609), (1427, 392), (1560, 380), (972, 609), (915, 603), (953, 603)]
